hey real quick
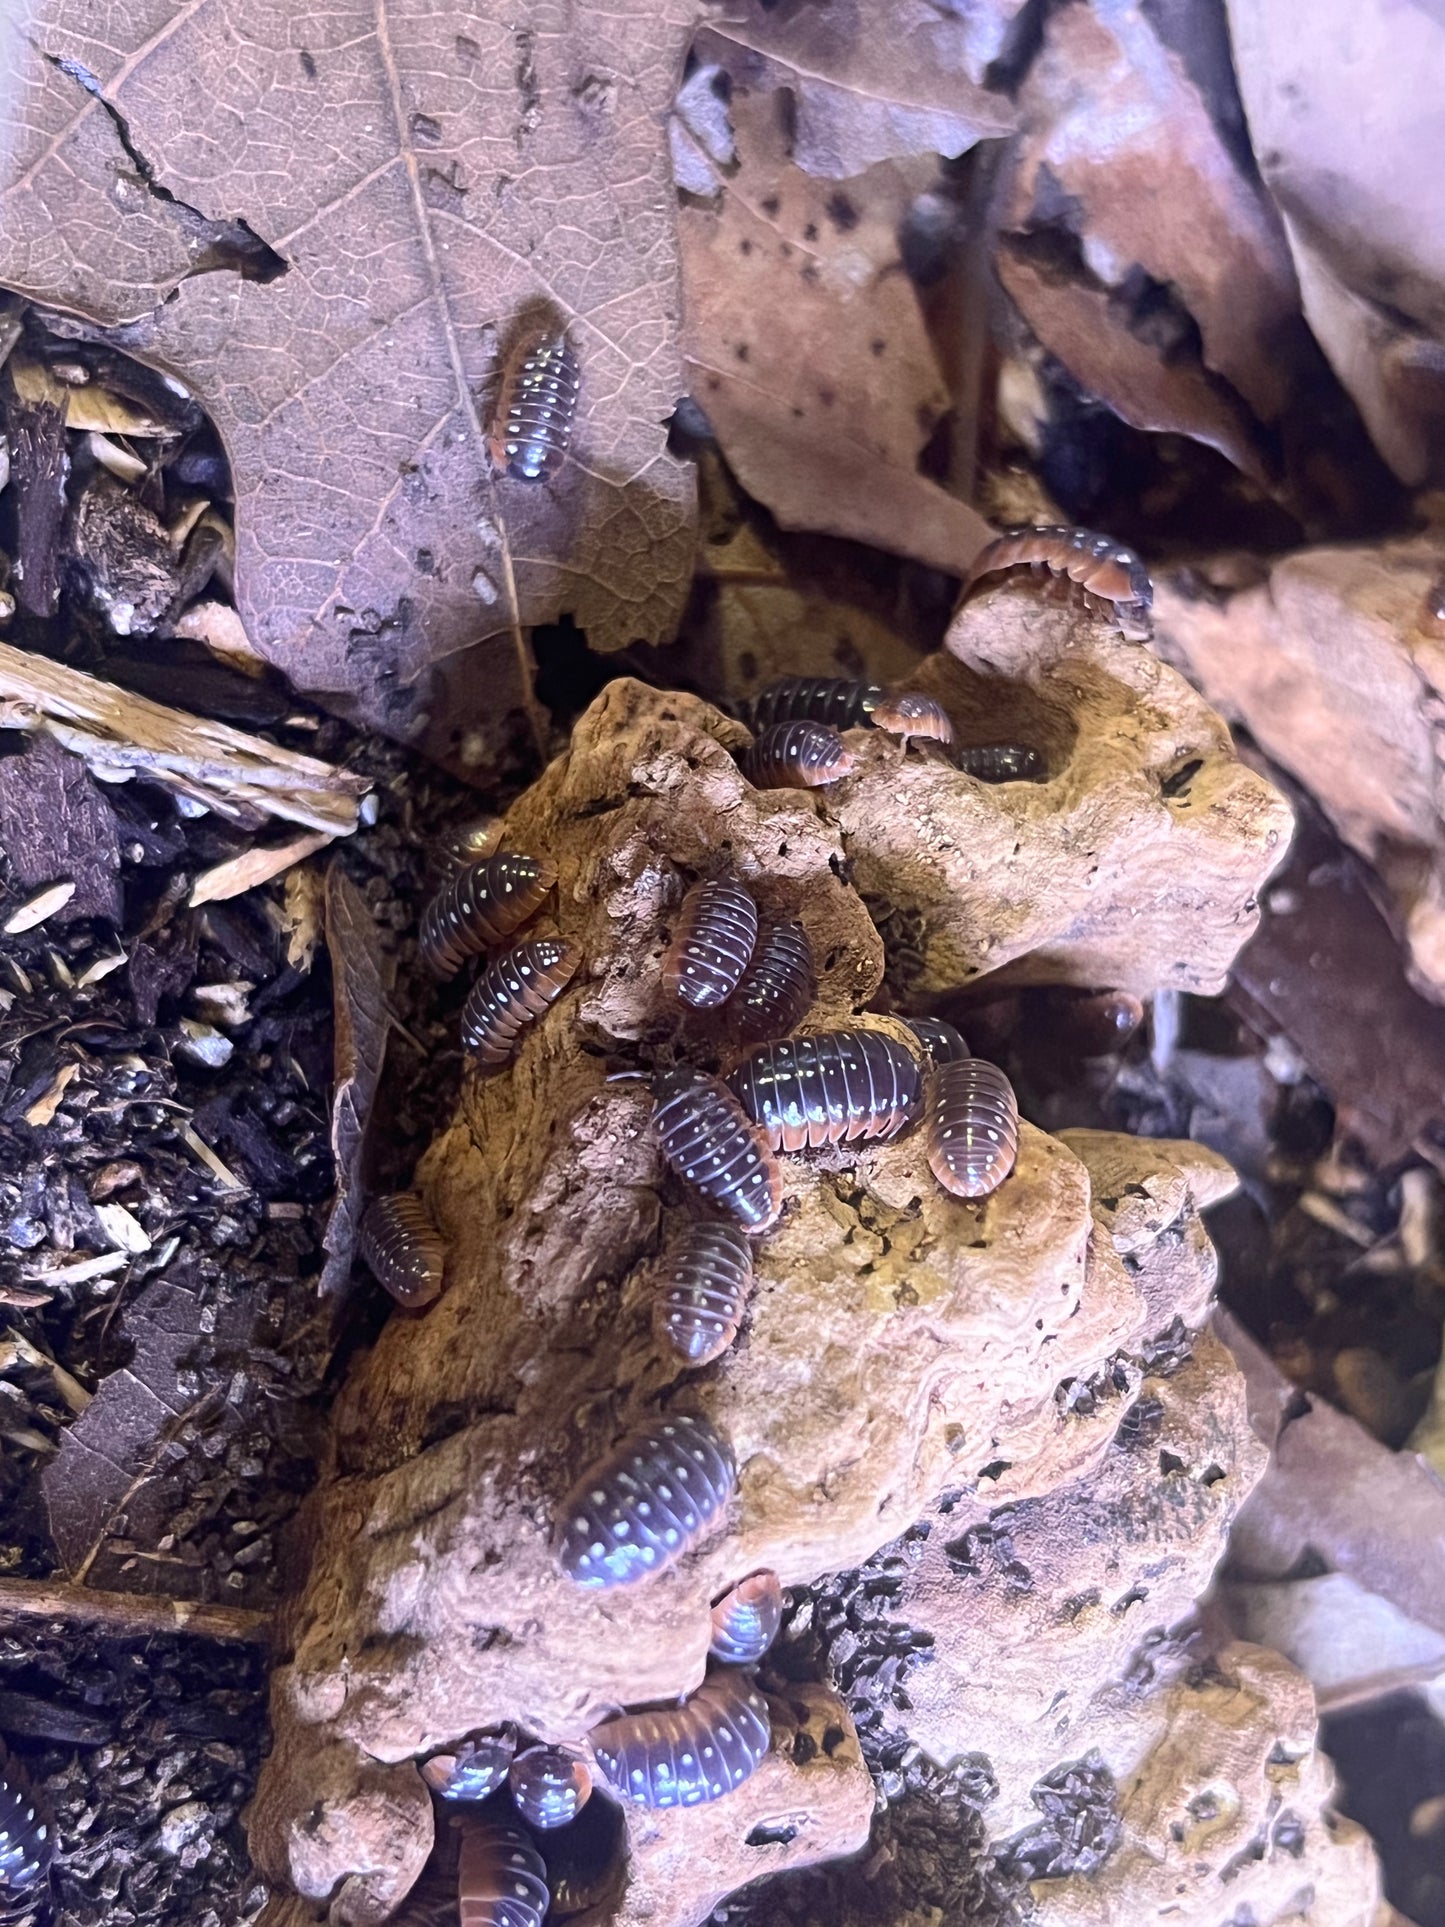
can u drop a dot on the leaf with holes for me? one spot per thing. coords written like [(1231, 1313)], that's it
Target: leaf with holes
[(333, 225)]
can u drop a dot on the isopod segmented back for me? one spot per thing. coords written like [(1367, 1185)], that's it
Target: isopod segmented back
[(909, 713), (712, 1144), (712, 944), (796, 756), (475, 1769), (836, 1085), (481, 905), (27, 1838), (942, 1044), (532, 428), (746, 1619), (511, 993), (404, 1249), (703, 1291), (550, 1786), (646, 1503), (1002, 763), (835, 700), (681, 1756), (1101, 566), (973, 1127), (778, 985), (501, 1880)]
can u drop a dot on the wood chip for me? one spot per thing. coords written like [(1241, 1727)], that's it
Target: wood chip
[(125, 1232), (16, 1348), (120, 735), (241, 873), (222, 1173), (82, 1269), (125, 465), (37, 908), (43, 1110), (301, 916), (220, 629), (129, 1614)]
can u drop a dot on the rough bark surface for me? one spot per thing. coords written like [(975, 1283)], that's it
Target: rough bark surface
[(900, 1343), (1136, 864)]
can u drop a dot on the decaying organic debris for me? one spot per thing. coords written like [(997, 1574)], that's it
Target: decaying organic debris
[(900, 1342)]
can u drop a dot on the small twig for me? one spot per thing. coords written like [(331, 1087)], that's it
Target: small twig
[(139, 1614)]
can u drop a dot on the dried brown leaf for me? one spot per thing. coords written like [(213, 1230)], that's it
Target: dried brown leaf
[(423, 184), (89, 406), (809, 353), (358, 975), (1138, 221), (872, 83), (1342, 146)]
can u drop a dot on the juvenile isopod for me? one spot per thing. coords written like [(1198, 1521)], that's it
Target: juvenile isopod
[(652, 1497), (778, 985), (532, 426), (475, 1769), (27, 1840), (681, 1756), (746, 1619), (796, 756), (1102, 567), (712, 944), (550, 1786), (501, 1880), (706, 1277), (511, 993), (834, 700), (481, 905), (909, 713), (973, 1127), (713, 1145), (1002, 763), (942, 1044), (406, 1252), (836, 1085)]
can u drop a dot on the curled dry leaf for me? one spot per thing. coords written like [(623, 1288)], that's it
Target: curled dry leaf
[(119, 735), (417, 188), (1363, 215), (1123, 188), (808, 351), (872, 83), (358, 975)]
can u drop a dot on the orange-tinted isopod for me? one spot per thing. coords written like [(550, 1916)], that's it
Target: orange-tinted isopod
[(713, 1145), (511, 993), (712, 944), (550, 1786), (501, 1881), (404, 1249), (778, 985), (746, 1619), (481, 905), (973, 1127), (532, 427), (909, 713), (475, 1769), (470, 842), (796, 756), (703, 1292), (1102, 567)]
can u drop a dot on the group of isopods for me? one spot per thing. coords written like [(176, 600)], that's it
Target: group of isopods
[(665, 1487)]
